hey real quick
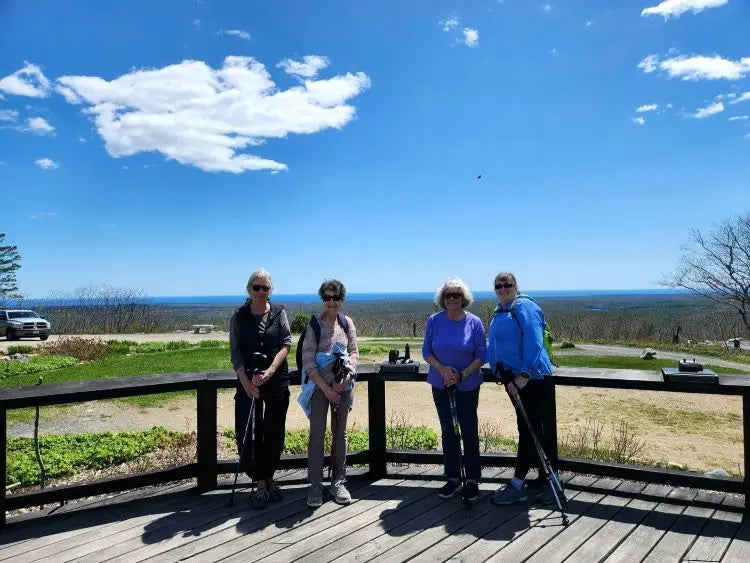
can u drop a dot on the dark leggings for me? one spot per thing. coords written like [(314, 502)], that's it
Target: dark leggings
[(270, 430), (538, 397)]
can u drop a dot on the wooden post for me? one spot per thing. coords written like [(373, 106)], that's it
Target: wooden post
[(746, 443), (376, 422), (207, 466), (553, 430), (3, 461)]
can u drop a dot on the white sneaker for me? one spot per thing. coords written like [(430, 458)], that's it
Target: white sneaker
[(339, 493)]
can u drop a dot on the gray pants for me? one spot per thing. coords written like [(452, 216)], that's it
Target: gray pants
[(315, 447)]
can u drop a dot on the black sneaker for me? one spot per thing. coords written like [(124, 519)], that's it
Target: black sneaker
[(471, 492), (449, 489), (274, 490), (259, 499)]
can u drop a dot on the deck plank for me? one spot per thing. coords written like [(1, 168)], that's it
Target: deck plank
[(557, 548), (715, 538), (265, 536), (647, 534), (680, 537), (739, 548)]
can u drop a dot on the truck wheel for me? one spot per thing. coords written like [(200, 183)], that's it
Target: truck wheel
[(11, 334), (45, 337)]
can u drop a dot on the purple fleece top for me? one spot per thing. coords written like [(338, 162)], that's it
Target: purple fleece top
[(455, 344)]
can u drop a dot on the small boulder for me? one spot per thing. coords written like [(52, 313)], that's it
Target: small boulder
[(716, 473), (648, 354), (565, 344)]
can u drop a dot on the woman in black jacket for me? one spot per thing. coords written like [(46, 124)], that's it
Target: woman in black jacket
[(259, 341)]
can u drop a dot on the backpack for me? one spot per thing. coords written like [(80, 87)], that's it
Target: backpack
[(315, 324), (547, 337)]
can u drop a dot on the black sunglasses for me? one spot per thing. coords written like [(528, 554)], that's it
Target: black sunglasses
[(505, 285), (453, 295), (258, 287), (331, 298)]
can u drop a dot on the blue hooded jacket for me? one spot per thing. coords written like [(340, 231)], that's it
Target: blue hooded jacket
[(516, 339)]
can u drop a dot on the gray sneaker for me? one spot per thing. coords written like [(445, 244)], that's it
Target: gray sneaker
[(508, 495), (315, 495), (339, 493)]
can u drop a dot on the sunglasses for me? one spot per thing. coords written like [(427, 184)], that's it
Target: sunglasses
[(505, 285), (331, 298), (258, 287), (453, 295)]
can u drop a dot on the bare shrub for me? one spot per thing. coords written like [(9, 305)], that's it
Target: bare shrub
[(84, 349), (625, 443)]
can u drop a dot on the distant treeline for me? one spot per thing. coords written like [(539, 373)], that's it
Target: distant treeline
[(628, 317)]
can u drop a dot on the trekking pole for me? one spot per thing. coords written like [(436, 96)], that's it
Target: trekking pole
[(546, 466), (37, 448), (338, 375), (250, 425), (457, 433)]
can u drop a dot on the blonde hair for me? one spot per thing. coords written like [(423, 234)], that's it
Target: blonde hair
[(467, 298)]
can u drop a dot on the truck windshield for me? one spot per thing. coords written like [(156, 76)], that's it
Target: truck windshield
[(22, 314)]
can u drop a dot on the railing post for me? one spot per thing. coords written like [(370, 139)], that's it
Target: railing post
[(3, 461), (746, 443), (207, 465), (376, 424), (553, 431)]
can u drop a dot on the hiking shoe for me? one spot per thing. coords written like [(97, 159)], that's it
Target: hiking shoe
[(508, 495), (315, 495), (275, 491), (259, 499), (339, 493), (538, 483), (471, 491), (546, 496), (449, 489)]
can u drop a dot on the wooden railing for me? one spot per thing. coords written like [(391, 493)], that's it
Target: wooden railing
[(207, 468)]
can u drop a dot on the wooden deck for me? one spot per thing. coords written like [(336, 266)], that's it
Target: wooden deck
[(393, 519)]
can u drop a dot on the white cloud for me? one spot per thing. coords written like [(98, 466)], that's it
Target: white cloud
[(43, 215), (242, 34), (638, 120), (28, 81), (471, 37), (46, 164), (40, 126), (197, 23), (647, 107), (204, 117), (81, 139), (547, 7), (709, 110), (449, 23), (697, 67), (675, 8), (8, 115), (308, 68), (589, 23), (739, 118), (741, 98)]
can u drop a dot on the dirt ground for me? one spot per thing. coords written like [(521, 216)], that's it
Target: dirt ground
[(693, 431)]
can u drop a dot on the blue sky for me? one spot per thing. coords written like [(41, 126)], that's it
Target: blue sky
[(175, 146)]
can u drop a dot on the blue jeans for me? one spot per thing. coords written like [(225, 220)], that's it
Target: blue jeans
[(466, 405)]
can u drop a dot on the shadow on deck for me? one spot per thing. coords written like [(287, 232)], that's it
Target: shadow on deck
[(397, 518)]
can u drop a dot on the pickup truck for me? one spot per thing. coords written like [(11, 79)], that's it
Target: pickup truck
[(19, 323)]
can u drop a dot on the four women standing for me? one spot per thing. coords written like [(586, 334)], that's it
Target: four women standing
[(455, 349)]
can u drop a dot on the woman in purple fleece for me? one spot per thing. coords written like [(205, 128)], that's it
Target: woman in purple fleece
[(454, 347)]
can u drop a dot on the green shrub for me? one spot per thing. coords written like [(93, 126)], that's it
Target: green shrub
[(178, 345), (21, 349), (85, 349), (67, 454), (299, 322), (119, 347), (406, 437), (34, 365), (213, 344), (149, 347)]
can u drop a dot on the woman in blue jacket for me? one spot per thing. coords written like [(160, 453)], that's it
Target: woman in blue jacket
[(516, 342)]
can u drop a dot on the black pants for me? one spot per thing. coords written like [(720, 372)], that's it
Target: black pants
[(538, 397), (270, 430)]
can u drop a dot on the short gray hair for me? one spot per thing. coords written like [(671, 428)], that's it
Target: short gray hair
[(467, 298), (259, 274)]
